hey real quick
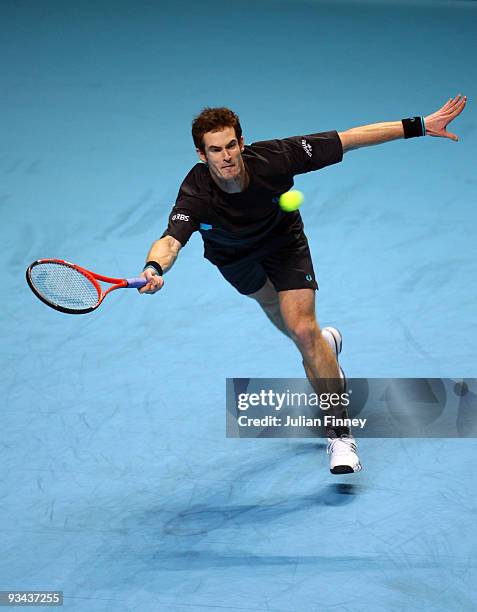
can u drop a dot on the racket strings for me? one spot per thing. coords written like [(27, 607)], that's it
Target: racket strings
[(64, 286)]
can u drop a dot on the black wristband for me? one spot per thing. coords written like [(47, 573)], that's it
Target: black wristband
[(155, 265), (413, 127)]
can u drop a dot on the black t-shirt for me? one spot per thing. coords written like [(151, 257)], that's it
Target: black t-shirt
[(245, 219)]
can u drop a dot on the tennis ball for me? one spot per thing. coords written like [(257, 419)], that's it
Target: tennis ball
[(291, 200)]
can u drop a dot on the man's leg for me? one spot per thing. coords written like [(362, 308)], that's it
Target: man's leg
[(293, 313), (319, 360), (297, 307), (267, 298)]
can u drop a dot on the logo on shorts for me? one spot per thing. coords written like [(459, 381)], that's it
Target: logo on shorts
[(309, 277), (180, 217), (307, 147)]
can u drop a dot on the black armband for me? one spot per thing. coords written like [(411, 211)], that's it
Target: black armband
[(414, 127), (155, 265)]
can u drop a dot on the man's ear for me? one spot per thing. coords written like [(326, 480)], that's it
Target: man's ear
[(201, 155), (241, 143)]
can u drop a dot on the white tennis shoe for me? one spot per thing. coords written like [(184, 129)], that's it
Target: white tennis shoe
[(343, 456)]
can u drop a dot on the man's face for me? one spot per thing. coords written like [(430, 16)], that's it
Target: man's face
[(223, 154)]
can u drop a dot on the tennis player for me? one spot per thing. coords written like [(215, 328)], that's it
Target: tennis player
[(231, 198)]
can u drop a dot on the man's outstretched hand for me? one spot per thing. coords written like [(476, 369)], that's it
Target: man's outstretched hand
[(437, 123)]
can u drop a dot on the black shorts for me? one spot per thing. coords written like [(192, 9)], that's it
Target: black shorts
[(285, 260)]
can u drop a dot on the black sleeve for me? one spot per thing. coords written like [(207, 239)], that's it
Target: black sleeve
[(182, 221), (185, 217), (300, 154)]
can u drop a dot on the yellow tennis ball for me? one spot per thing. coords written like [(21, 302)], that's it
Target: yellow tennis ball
[(291, 200)]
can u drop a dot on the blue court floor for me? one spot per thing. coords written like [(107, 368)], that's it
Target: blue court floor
[(118, 485)]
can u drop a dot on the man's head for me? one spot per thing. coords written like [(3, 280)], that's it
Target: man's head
[(214, 120), (218, 139)]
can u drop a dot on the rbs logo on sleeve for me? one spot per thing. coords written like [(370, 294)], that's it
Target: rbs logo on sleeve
[(307, 147), (180, 217)]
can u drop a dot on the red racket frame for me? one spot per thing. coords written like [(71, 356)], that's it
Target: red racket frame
[(118, 283)]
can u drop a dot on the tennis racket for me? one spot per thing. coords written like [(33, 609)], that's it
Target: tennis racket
[(69, 288)]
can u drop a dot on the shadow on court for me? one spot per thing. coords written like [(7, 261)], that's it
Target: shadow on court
[(204, 519)]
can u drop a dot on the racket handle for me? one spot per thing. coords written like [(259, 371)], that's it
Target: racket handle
[(136, 283)]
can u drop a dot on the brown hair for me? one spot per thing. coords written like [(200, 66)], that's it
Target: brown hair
[(214, 120)]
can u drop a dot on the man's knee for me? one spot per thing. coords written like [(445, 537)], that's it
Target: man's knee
[(305, 332)]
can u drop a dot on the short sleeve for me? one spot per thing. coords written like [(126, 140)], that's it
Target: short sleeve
[(182, 221), (185, 217), (301, 154)]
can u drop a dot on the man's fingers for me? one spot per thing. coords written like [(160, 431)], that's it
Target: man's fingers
[(152, 287), (149, 290), (452, 103), (448, 113), (155, 283), (456, 110), (446, 105), (459, 100), (458, 103), (461, 104)]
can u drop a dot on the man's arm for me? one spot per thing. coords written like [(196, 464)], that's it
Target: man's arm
[(377, 133), (164, 252)]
